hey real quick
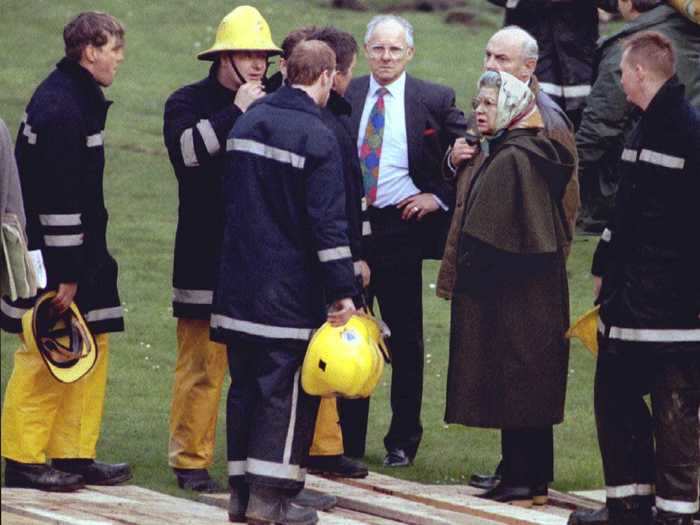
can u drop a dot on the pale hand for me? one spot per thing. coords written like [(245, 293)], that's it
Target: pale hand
[(64, 296), (462, 152), (597, 283), (248, 93), (340, 312), (365, 273), (418, 206)]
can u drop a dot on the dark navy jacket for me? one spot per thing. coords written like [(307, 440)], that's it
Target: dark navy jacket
[(197, 120), (336, 116), (60, 156), (285, 254), (649, 255)]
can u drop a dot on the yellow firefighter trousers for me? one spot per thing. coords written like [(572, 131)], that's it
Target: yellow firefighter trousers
[(200, 370), (328, 439), (42, 417)]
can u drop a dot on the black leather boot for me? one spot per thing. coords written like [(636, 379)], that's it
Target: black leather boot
[(336, 466), (271, 505), (95, 472), (40, 476), (197, 480), (633, 510), (519, 496), (671, 518)]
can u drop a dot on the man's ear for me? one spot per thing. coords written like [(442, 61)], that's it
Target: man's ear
[(90, 53), (410, 52)]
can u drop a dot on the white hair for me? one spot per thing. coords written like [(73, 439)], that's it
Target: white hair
[(528, 44), (381, 19)]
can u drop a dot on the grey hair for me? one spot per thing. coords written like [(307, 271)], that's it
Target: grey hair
[(489, 79), (380, 19), (528, 43)]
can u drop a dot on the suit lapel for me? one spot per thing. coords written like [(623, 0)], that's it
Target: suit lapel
[(356, 96), (415, 122)]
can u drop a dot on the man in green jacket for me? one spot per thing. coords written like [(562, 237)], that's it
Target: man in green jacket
[(608, 116)]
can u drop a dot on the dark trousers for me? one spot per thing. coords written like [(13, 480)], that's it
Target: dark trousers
[(625, 373), (269, 418), (528, 456), (354, 415), (395, 260)]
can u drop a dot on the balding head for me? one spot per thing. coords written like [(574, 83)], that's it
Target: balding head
[(512, 50)]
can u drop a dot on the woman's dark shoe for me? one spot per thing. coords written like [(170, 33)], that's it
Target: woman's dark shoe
[(518, 496), (197, 480), (40, 476), (95, 472), (487, 481)]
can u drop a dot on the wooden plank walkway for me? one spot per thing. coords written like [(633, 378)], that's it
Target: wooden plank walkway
[(375, 500)]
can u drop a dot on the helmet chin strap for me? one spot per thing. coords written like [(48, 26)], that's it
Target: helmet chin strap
[(238, 73)]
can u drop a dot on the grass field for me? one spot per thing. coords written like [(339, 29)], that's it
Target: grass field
[(162, 39)]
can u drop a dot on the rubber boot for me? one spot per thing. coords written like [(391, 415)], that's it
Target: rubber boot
[(272, 505), (589, 517), (238, 501), (671, 518), (315, 499), (633, 510)]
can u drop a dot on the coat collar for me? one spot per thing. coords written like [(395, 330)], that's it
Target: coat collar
[(292, 98), (84, 79), (665, 101), (338, 105)]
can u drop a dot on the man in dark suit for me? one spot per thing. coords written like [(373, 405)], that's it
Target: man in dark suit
[(404, 126)]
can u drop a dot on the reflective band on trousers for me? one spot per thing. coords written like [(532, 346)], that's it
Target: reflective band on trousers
[(633, 489), (263, 330), (679, 507), (237, 468), (11, 311), (652, 335), (263, 150), (63, 241), (333, 254), (286, 456), (653, 157), (271, 469), (60, 219), (103, 314), (181, 295)]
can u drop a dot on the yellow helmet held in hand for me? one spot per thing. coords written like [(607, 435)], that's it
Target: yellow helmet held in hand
[(586, 329), (243, 29), (63, 340), (347, 361)]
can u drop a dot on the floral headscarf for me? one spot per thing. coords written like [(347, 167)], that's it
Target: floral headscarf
[(516, 104)]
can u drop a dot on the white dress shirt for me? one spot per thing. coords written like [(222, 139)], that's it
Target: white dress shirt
[(394, 184)]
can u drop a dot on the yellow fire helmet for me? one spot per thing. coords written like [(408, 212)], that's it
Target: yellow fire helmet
[(243, 29), (347, 361), (688, 8), (63, 340), (586, 329)]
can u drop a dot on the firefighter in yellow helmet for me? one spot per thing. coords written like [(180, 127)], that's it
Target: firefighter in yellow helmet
[(197, 120)]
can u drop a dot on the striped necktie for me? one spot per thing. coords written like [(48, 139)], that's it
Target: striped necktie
[(371, 148)]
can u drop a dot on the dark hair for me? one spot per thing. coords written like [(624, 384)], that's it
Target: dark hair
[(652, 50), (642, 6), (294, 37), (341, 42), (308, 61), (90, 27)]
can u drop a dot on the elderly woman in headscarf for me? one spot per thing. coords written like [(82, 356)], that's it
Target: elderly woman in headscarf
[(510, 307)]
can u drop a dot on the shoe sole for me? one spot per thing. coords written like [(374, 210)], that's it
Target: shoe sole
[(523, 503), (65, 488), (328, 474), (112, 481)]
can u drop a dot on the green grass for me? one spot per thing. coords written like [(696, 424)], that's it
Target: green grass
[(162, 40)]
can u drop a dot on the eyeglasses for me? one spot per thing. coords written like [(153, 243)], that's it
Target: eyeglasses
[(378, 51), (486, 102)]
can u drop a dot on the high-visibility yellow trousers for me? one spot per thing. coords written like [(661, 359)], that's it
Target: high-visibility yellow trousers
[(42, 417), (328, 439), (199, 375)]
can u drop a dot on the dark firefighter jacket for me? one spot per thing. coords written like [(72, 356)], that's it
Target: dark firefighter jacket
[(197, 120), (649, 255), (60, 156), (335, 116), (285, 253), (566, 33)]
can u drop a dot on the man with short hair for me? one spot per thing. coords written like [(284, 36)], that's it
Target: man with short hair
[(60, 156), (648, 289), (404, 126), (286, 266), (608, 117), (197, 120)]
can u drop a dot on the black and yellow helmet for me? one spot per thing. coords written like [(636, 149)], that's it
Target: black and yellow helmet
[(63, 340)]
